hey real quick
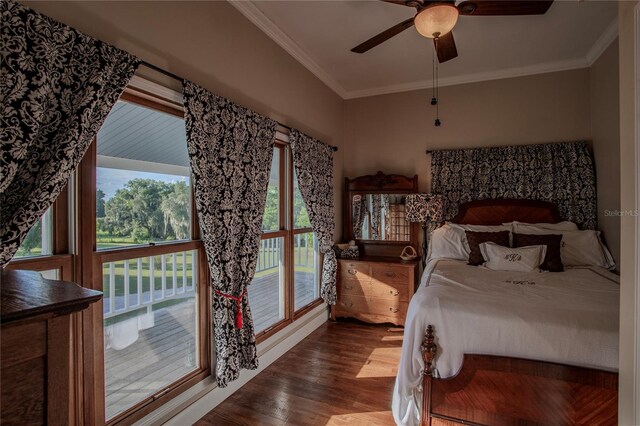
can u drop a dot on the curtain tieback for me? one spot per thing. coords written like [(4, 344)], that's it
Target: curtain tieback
[(238, 300)]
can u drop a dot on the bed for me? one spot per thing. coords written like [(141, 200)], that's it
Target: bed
[(505, 348)]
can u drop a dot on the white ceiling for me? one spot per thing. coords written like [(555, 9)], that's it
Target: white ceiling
[(320, 34)]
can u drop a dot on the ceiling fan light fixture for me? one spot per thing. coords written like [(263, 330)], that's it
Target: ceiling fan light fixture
[(436, 20)]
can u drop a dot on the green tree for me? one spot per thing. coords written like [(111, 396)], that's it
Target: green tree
[(270, 217), (175, 208), (100, 203), (32, 240), (136, 210)]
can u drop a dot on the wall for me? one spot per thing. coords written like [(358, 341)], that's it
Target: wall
[(392, 132), (212, 44), (605, 136), (629, 404)]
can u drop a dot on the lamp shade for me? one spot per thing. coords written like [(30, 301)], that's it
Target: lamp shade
[(436, 20), (424, 208)]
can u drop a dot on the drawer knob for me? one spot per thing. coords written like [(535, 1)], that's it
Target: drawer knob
[(352, 271), (390, 274), (350, 304), (348, 287), (394, 310), (394, 292)]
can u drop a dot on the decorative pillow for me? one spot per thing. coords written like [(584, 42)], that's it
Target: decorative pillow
[(482, 228), (474, 239), (553, 260), (448, 242), (585, 248), (521, 259), (525, 228), (578, 248)]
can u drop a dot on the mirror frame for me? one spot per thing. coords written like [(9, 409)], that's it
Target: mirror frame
[(379, 183)]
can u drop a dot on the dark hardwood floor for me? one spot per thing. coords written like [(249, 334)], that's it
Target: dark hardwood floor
[(343, 373)]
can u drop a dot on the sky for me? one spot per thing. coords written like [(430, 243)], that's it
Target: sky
[(110, 180)]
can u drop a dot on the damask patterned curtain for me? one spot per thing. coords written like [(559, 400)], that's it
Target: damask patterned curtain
[(562, 173), (360, 213), (313, 163), (230, 150), (376, 216), (57, 87)]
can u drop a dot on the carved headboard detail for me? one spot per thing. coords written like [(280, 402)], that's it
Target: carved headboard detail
[(499, 211)]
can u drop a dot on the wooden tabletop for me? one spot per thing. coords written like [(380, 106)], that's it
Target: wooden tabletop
[(25, 294), (384, 259)]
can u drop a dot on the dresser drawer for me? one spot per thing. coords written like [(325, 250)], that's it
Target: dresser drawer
[(372, 309), (354, 271), (393, 291), (390, 273)]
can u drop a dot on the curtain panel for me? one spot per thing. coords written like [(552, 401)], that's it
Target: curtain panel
[(230, 150), (313, 163), (360, 214), (58, 85), (562, 173)]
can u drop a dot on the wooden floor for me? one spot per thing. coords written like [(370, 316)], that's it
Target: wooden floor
[(140, 360), (343, 373)]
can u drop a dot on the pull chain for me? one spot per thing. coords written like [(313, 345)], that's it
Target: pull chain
[(436, 88)]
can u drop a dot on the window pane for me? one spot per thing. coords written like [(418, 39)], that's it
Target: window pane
[(143, 181), (266, 291), (305, 265), (271, 218), (300, 215), (39, 239), (150, 325)]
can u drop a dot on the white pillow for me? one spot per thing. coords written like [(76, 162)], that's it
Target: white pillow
[(448, 242), (520, 259), (521, 227), (585, 248), (578, 248), (482, 228)]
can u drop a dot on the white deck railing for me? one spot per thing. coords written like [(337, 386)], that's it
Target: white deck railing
[(125, 292), (173, 282)]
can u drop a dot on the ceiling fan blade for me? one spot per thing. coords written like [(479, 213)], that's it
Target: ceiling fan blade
[(503, 7), (383, 36), (400, 2), (445, 47)]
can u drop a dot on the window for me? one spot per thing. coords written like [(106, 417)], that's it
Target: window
[(145, 256), (39, 240), (286, 280)]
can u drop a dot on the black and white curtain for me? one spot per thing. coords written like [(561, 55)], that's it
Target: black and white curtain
[(360, 211), (562, 173), (376, 216), (230, 149), (57, 88), (313, 163)]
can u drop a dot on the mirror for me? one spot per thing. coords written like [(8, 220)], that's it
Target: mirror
[(380, 217), (375, 215)]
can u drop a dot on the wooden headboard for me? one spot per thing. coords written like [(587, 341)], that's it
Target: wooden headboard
[(499, 211)]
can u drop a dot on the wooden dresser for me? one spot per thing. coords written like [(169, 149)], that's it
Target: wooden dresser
[(35, 347), (375, 289)]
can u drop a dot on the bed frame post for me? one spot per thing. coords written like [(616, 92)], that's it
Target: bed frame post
[(429, 350)]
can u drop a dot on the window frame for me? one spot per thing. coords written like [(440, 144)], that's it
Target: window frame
[(60, 258), (288, 232), (90, 271)]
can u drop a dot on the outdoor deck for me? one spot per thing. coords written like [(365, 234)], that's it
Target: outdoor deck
[(166, 351)]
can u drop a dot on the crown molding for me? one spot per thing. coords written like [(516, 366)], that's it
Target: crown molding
[(601, 44), (548, 67), (255, 15), (259, 19)]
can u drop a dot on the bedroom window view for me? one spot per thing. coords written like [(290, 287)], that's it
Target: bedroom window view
[(305, 253), (39, 239), (143, 197), (286, 235)]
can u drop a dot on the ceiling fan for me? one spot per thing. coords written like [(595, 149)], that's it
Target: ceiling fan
[(436, 19)]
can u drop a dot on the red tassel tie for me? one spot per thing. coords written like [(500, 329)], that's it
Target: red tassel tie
[(238, 300)]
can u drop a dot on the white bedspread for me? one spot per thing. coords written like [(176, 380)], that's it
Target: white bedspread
[(568, 317)]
